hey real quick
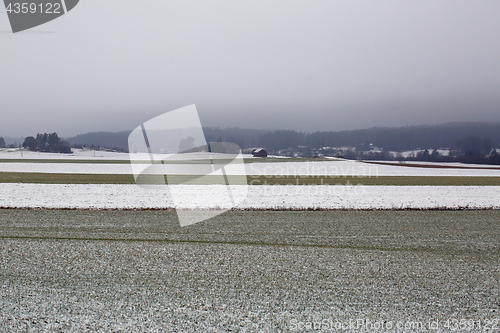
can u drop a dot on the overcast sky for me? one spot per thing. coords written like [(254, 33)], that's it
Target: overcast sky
[(305, 65)]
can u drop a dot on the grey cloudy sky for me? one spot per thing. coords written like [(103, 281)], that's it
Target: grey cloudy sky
[(306, 65)]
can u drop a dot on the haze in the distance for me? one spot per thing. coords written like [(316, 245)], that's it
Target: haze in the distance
[(304, 65)]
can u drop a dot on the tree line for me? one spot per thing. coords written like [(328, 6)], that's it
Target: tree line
[(393, 139), (50, 143), (468, 141)]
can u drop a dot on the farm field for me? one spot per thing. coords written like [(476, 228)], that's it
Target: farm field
[(83, 162), (89, 178), (116, 196), (106, 182), (246, 271), (298, 169), (82, 247)]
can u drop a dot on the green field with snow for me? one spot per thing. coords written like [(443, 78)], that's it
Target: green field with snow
[(245, 271)]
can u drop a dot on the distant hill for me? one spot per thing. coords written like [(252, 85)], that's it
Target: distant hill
[(103, 139), (395, 139)]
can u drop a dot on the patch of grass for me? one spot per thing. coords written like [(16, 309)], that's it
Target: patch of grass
[(58, 178), (381, 180), (291, 159), (447, 231), (74, 271)]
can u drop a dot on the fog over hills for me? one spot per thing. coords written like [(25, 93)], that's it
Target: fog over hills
[(286, 64)]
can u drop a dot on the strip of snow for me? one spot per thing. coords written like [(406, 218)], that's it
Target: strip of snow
[(354, 168), (259, 197), (307, 168)]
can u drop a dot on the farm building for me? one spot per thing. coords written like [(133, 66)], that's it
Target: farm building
[(259, 152)]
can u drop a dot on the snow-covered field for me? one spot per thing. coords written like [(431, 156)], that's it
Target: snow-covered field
[(275, 196), (354, 168), (260, 197), (307, 168), (7, 153), (312, 168), (78, 154)]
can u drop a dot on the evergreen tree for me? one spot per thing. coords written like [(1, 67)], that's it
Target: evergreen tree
[(30, 143)]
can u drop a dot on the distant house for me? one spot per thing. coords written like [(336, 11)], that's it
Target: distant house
[(259, 152)]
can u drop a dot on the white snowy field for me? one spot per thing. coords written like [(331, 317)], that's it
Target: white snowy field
[(79, 154), (107, 196), (259, 197), (306, 168)]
